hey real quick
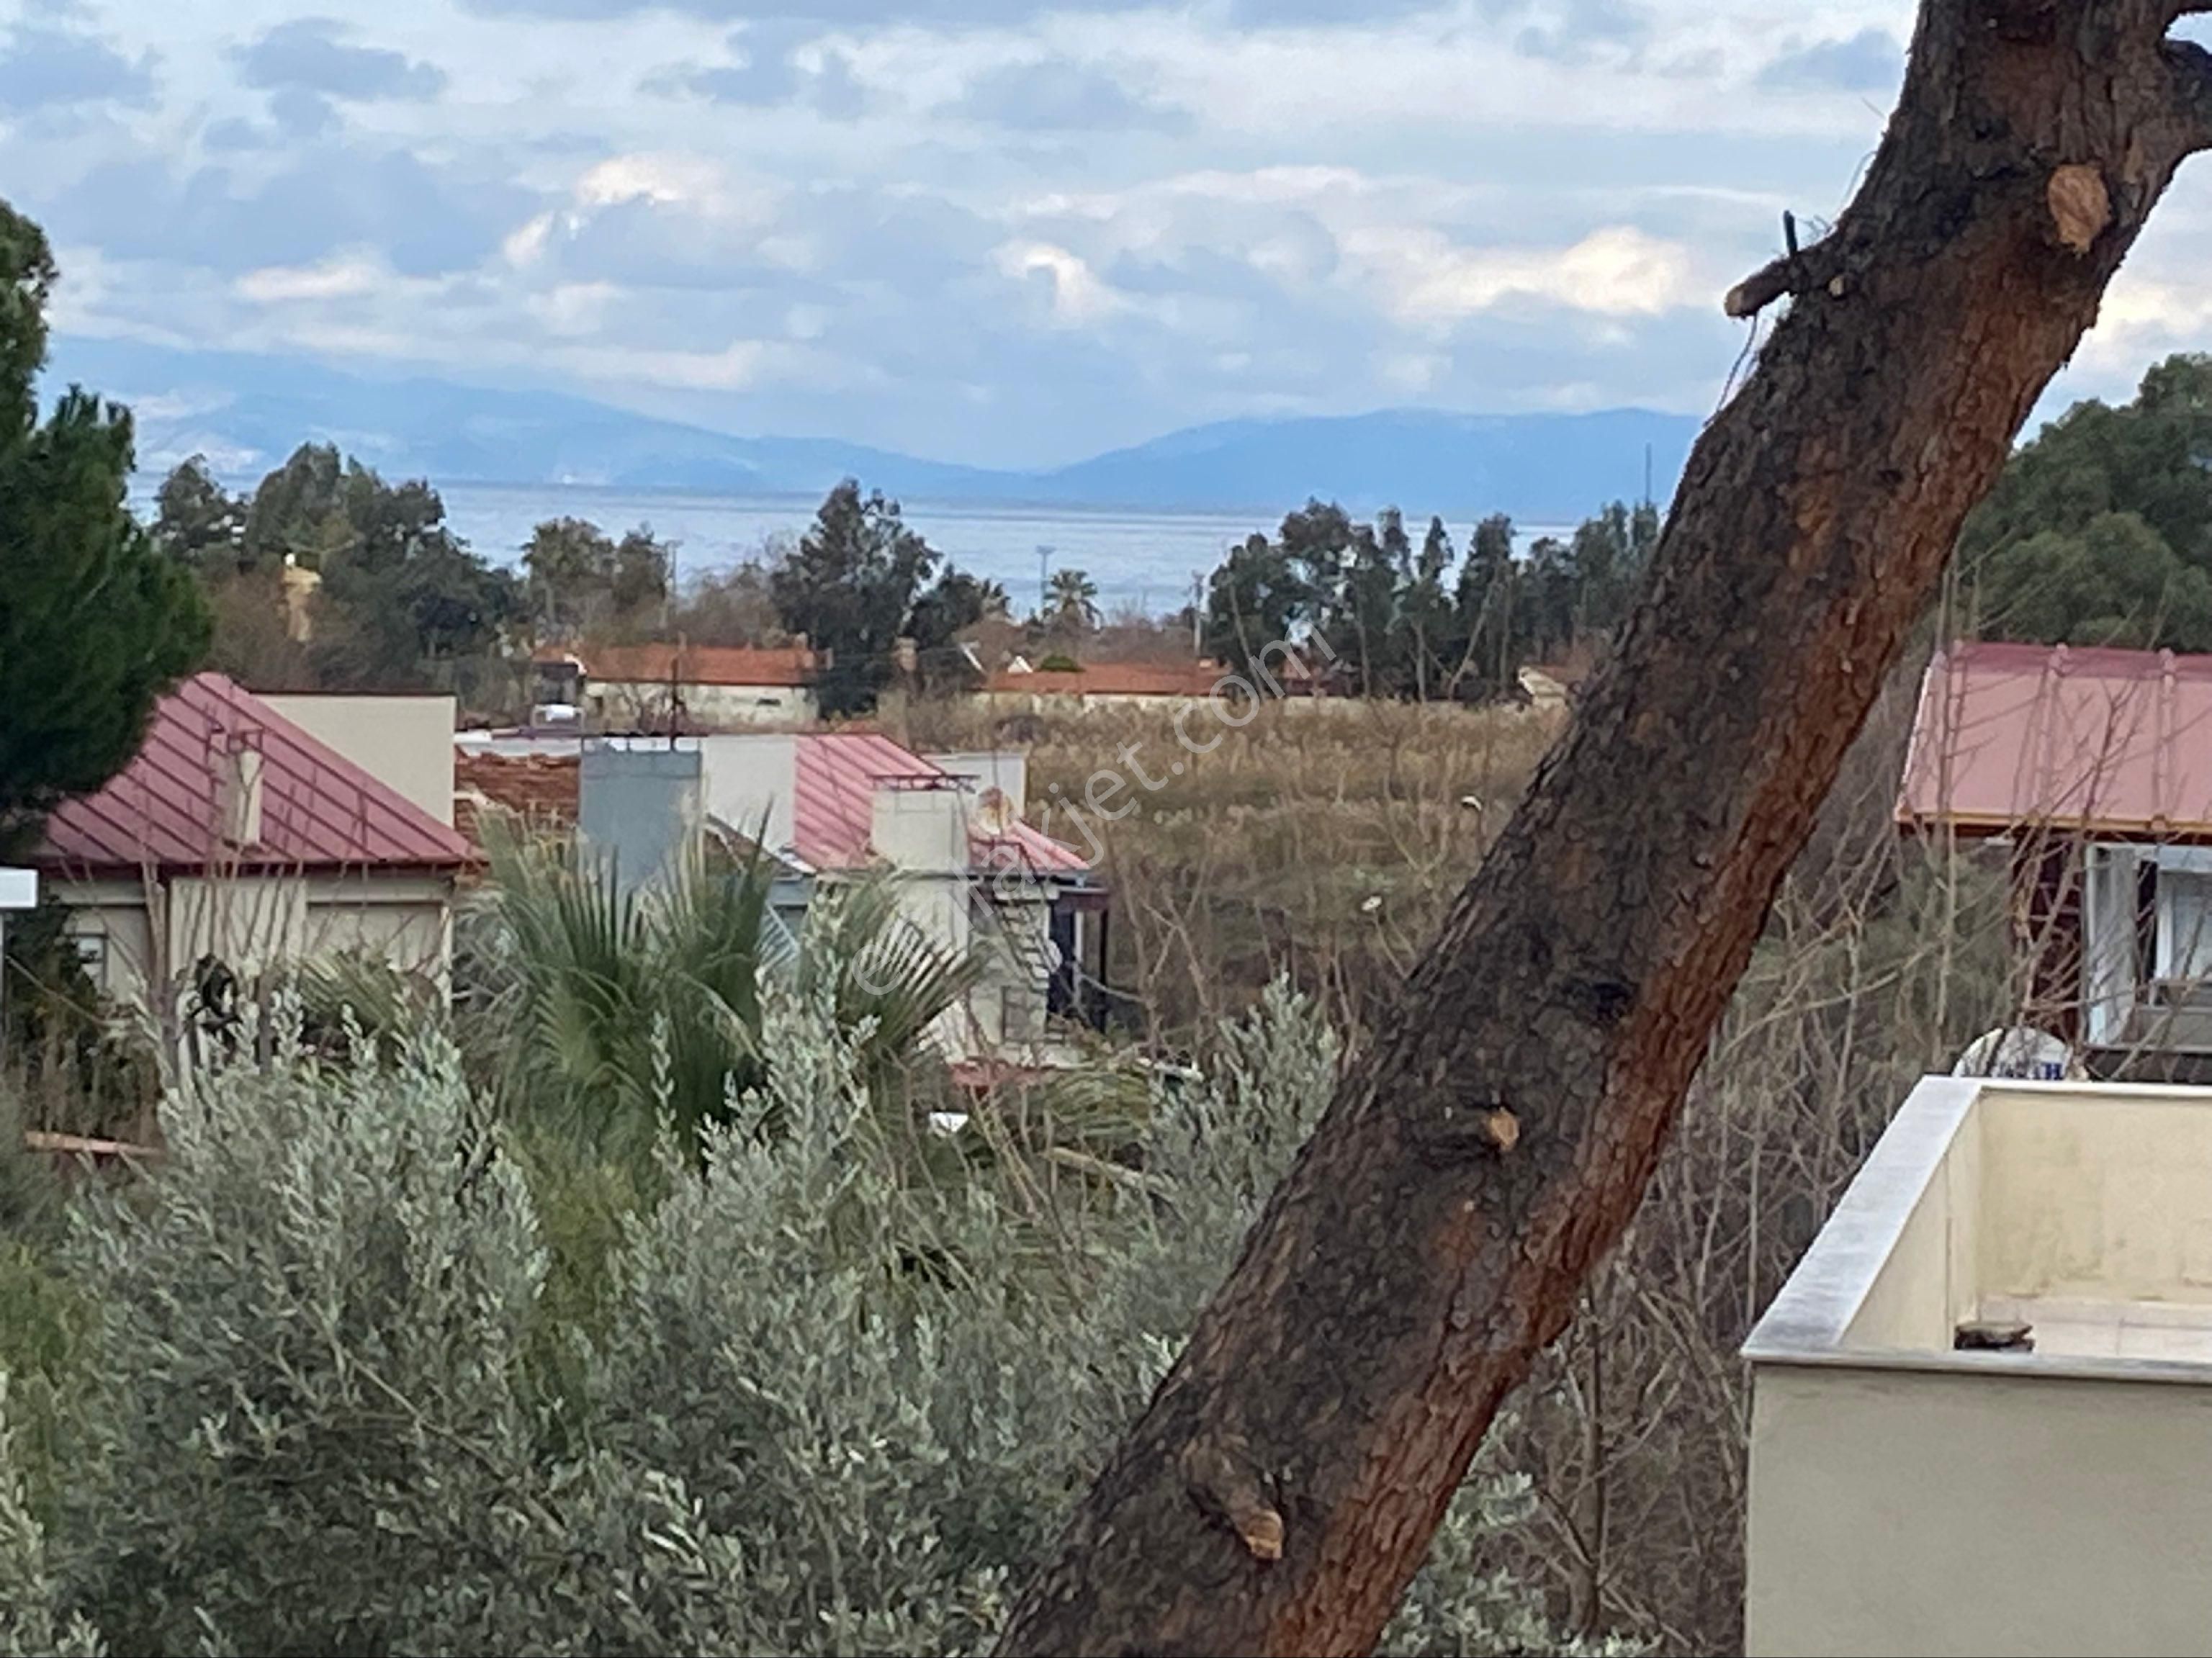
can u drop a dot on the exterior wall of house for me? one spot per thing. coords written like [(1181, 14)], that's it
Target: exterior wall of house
[(1007, 770), (1917, 1511), (404, 741), (639, 806), (2109, 1204), (749, 781), (249, 922), (404, 920), (140, 938), (1929, 1279), (641, 702), (922, 834), (114, 933), (1904, 1497)]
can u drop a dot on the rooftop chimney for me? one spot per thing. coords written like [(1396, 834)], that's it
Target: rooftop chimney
[(237, 796)]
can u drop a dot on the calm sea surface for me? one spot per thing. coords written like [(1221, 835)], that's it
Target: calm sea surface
[(1136, 558)]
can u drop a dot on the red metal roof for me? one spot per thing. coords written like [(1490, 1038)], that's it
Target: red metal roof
[(318, 810), (2012, 737), (835, 776), (699, 664)]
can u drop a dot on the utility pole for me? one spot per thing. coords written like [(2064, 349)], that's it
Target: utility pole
[(1044, 583), (668, 589), (1197, 612), (1647, 475)]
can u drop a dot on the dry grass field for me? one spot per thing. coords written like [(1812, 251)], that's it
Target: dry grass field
[(1320, 841)]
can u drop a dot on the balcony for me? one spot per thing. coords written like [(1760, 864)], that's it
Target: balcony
[(1912, 1493)]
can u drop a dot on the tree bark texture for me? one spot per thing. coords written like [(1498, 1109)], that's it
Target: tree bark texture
[(1284, 1483)]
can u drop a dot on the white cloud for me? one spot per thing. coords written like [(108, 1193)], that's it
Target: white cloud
[(1335, 215), (1411, 373), (527, 242), (574, 308), (349, 277), (692, 179), (1613, 271), (2143, 319), (1079, 298)]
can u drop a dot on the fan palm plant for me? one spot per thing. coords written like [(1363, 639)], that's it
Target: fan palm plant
[(597, 1009), (1073, 601)]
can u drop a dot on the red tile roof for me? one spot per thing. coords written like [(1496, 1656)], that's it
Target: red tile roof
[(2032, 736), (540, 788), (318, 810), (832, 806), (698, 665), (1114, 679)]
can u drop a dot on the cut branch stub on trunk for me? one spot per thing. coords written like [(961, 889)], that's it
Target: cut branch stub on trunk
[(1405, 1275)]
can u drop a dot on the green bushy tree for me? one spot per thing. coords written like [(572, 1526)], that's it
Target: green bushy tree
[(858, 582), (403, 598), (33, 1623), (578, 577), (2099, 530), (604, 1011), (96, 623), (1385, 619)]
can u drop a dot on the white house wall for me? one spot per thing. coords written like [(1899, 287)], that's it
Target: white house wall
[(1907, 1497), (404, 920), (623, 701), (249, 922), (110, 918), (1003, 769), (748, 779), (1903, 1511), (142, 934), (1016, 946), (405, 742)]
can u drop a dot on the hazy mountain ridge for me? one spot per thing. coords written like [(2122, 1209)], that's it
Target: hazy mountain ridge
[(245, 413)]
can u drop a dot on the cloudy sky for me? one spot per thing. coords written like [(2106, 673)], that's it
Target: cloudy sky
[(995, 231)]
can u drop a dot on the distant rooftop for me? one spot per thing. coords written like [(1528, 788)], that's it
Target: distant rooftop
[(1112, 679), (690, 664), (837, 774)]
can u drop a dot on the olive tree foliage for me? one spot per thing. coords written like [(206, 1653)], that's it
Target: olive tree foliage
[(32, 1622), (309, 1420)]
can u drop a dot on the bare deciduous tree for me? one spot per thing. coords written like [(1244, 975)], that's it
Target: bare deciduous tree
[(1438, 1231)]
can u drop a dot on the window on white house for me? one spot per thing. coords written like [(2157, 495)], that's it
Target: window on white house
[(2184, 924), (2111, 961)]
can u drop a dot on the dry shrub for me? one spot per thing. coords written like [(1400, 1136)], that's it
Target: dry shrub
[(1882, 958), (1322, 841)]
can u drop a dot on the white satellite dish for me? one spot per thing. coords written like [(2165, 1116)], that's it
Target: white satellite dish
[(994, 813), (2020, 1053)]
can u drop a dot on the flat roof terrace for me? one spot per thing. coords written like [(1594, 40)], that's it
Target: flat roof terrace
[(1909, 1493)]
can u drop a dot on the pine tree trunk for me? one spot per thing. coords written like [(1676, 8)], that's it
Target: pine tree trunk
[(1284, 1483)]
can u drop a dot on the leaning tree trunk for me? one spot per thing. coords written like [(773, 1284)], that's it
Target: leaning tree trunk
[(1285, 1481)]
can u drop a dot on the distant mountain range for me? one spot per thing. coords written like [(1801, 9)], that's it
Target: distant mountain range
[(245, 413)]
